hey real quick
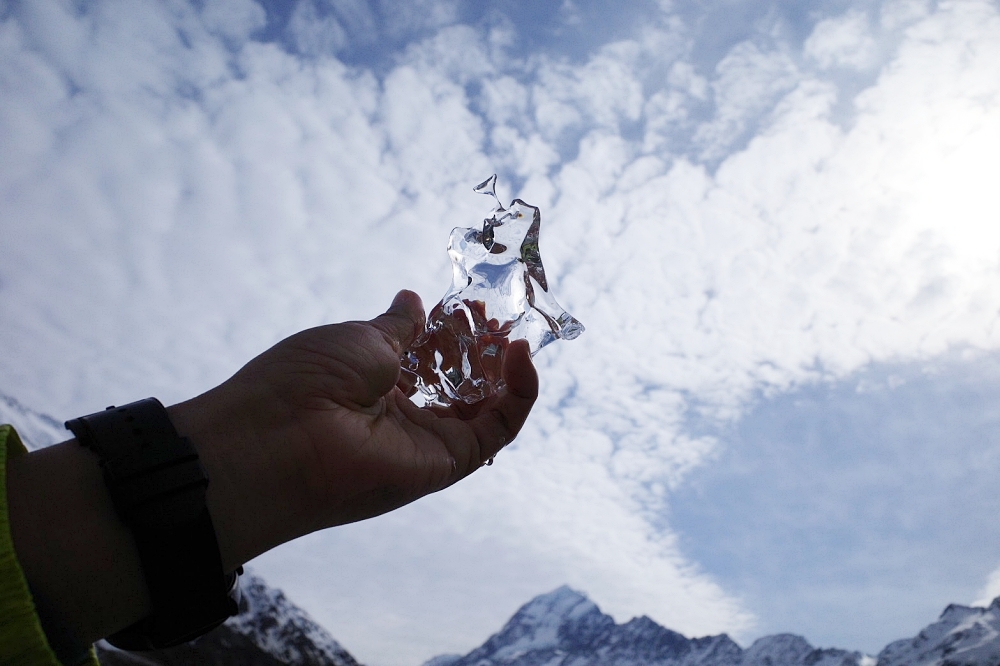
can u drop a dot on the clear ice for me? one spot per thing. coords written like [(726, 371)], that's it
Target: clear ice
[(498, 294)]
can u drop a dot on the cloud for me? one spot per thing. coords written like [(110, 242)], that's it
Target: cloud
[(748, 81), (989, 591), (362, 30), (234, 20), (315, 32), (176, 199), (844, 41)]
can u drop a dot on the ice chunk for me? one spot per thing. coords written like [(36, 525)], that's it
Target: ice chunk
[(498, 294)]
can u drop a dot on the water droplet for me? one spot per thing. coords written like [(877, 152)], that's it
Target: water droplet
[(489, 462)]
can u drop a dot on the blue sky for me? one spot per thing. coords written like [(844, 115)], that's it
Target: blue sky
[(777, 225), (874, 491)]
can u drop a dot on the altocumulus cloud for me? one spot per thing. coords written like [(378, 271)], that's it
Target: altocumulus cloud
[(178, 193)]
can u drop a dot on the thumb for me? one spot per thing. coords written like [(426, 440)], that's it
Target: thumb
[(403, 321)]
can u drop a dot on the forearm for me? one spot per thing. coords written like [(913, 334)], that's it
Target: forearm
[(77, 555)]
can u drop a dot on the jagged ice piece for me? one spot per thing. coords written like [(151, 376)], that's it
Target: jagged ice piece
[(498, 294)]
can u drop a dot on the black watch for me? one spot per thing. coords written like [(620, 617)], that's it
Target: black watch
[(157, 484)]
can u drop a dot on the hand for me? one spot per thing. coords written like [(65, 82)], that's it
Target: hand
[(314, 432)]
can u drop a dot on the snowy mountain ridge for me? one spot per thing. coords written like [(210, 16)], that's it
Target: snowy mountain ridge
[(962, 635), (565, 628), (282, 629), (269, 631)]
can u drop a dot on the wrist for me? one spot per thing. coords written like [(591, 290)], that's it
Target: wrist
[(251, 494)]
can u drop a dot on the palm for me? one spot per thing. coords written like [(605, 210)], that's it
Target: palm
[(371, 449)]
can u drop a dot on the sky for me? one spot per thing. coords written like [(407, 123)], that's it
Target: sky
[(777, 220)]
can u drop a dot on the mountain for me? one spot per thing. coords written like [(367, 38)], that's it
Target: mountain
[(962, 636), (565, 628), (782, 649), (269, 631)]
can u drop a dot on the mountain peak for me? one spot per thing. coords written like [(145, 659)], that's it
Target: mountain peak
[(962, 635), (283, 629), (269, 631), (545, 623), (564, 626), (562, 602)]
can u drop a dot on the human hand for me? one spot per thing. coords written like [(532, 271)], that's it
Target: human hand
[(315, 432)]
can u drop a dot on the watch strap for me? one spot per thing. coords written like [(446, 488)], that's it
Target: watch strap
[(158, 486)]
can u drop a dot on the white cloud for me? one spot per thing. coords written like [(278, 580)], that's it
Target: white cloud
[(316, 33), (233, 19), (845, 41), (748, 81), (173, 205), (603, 93), (407, 17), (895, 14), (990, 590)]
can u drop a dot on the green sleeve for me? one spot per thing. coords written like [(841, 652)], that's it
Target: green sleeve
[(22, 640)]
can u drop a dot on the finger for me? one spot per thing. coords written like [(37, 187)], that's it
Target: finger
[(375, 365), (403, 321), (519, 372), (407, 382), (500, 421)]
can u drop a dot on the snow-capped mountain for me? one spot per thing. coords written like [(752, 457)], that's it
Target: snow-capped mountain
[(782, 649), (565, 628), (270, 630), (962, 636), (282, 629)]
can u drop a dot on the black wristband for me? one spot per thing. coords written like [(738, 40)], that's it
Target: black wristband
[(157, 484)]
